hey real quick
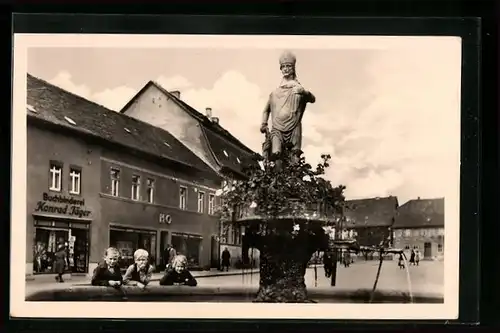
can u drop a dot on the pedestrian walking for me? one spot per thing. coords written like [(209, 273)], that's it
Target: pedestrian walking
[(401, 262), (417, 257), (412, 257), (60, 262), (226, 259), (347, 258), (328, 264)]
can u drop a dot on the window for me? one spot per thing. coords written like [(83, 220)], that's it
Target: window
[(201, 202), (55, 174), (440, 248), (115, 182), (407, 232), (75, 178), (136, 186), (151, 190), (182, 197), (211, 204)]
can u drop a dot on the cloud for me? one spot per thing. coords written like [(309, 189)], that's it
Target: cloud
[(63, 80), (395, 134)]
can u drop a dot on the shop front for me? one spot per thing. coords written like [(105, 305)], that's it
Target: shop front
[(61, 220), (49, 234), (188, 245), (127, 240)]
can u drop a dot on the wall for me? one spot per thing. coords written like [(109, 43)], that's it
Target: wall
[(155, 108), (418, 237), (44, 145), (140, 214)]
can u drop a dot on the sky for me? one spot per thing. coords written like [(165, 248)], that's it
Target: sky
[(389, 117)]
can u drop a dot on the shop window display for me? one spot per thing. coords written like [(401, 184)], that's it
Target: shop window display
[(128, 241), (47, 239), (188, 245)]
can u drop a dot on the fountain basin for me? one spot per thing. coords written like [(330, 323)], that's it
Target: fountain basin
[(226, 294)]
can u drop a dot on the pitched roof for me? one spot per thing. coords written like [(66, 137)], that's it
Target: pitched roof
[(372, 212), (421, 213), (218, 138), (65, 109)]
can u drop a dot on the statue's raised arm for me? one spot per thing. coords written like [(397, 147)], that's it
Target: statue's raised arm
[(285, 106)]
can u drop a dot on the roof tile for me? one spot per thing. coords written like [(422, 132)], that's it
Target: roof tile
[(372, 212), (421, 213), (66, 109)]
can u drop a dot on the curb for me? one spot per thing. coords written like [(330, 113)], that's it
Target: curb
[(215, 274)]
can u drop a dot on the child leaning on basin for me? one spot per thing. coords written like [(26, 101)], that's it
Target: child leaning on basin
[(107, 273), (178, 274), (139, 274)]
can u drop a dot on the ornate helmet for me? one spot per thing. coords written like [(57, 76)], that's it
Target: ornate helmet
[(287, 57)]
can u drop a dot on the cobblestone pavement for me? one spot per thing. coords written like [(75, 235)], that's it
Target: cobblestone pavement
[(428, 277)]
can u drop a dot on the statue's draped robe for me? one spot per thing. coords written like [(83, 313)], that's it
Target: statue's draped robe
[(286, 105)]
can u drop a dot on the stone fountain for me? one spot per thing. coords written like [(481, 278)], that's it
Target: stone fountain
[(284, 205)]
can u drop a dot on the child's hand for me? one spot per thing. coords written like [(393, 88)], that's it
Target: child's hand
[(115, 283), (141, 285)]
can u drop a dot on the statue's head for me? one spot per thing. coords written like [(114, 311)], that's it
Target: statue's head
[(287, 64)]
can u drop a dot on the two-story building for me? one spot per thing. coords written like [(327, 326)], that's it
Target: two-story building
[(370, 220), (98, 178), (420, 225), (203, 135)]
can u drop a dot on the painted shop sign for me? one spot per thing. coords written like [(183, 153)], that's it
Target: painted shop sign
[(164, 219), (72, 207)]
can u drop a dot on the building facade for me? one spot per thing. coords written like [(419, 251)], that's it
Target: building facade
[(203, 135), (420, 225), (98, 178), (370, 220)]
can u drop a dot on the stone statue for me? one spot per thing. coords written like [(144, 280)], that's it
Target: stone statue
[(286, 105)]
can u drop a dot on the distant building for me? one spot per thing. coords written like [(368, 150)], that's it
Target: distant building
[(370, 221), (204, 136), (97, 178), (420, 225)]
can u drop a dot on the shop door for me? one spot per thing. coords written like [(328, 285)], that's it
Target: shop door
[(427, 250), (163, 246), (215, 253), (46, 242)]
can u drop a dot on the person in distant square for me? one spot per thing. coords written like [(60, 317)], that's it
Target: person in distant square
[(412, 257), (108, 273), (401, 262), (60, 262), (178, 275), (328, 264), (226, 256), (417, 257), (347, 258), (139, 274)]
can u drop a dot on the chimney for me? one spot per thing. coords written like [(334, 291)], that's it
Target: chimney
[(176, 93), (208, 112), (215, 119), (418, 198)]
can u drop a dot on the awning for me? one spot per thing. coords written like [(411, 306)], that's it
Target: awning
[(186, 235)]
